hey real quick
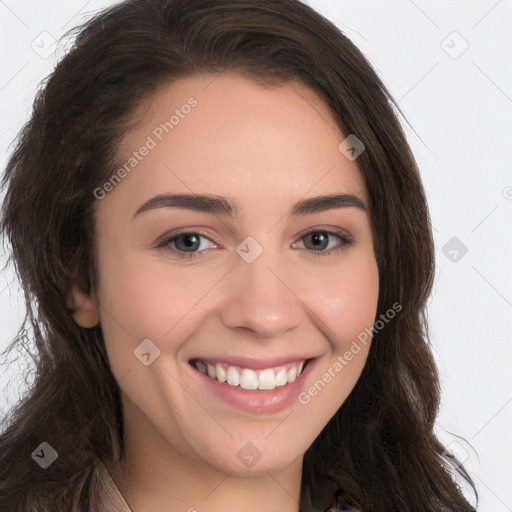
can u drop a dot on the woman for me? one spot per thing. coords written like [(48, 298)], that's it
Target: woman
[(226, 252)]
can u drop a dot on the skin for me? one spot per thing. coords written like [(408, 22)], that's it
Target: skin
[(265, 148)]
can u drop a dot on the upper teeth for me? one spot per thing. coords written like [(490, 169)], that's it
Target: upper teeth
[(247, 378)]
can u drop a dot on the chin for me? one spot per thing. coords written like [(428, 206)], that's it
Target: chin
[(250, 458)]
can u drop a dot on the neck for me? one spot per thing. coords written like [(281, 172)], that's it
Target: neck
[(153, 476)]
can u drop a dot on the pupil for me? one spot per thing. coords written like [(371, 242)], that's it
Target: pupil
[(318, 237), (190, 241)]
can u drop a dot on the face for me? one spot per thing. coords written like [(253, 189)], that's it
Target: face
[(211, 306)]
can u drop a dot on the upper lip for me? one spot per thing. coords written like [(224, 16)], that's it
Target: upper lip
[(253, 362)]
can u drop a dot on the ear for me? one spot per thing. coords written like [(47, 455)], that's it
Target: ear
[(84, 307)]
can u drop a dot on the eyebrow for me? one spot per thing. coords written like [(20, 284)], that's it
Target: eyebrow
[(218, 205)]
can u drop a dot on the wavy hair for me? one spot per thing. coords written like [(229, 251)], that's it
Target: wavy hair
[(380, 445)]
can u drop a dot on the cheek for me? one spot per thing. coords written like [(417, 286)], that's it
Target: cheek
[(346, 303), (147, 299), (143, 298), (346, 311)]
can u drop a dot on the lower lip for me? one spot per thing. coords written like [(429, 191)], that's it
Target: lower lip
[(255, 401)]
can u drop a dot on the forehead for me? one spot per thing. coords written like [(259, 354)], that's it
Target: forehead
[(228, 135)]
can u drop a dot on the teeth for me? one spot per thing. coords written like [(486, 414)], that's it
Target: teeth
[(220, 373), (266, 379), (233, 376), (249, 379), (201, 367), (291, 375), (281, 379)]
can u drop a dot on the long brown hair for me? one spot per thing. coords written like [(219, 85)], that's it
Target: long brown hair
[(379, 446)]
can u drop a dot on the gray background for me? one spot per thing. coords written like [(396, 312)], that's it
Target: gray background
[(448, 64)]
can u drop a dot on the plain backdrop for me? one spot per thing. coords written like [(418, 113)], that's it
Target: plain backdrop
[(448, 65)]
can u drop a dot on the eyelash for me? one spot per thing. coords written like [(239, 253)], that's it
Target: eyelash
[(347, 241)]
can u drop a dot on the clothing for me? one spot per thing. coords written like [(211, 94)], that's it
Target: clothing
[(343, 501), (114, 501)]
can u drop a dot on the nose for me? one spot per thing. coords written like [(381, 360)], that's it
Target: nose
[(260, 298)]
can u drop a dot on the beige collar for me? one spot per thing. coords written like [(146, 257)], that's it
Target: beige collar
[(114, 500)]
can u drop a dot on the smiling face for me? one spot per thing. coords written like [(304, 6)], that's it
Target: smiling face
[(255, 282)]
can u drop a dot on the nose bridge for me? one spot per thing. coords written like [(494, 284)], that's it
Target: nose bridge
[(260, 296)]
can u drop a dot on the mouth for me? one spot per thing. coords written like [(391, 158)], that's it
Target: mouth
[(250, 379)]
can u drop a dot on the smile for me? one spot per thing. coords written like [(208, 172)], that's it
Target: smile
[(265, 379)]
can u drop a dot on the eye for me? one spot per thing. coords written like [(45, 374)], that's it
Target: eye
[(192, 244), (319, 240), (187, 245)]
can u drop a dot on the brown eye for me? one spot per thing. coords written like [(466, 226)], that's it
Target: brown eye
[(318, 241), (187, 242), (186, 245)]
